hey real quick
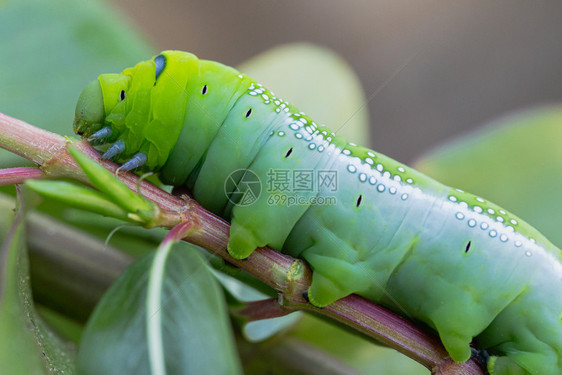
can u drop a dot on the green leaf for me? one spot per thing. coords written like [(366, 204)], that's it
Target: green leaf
[(317, 81), (165, 315), (114, 189), (26, 345), (51, 50), (261, 329), (77, 196), (514, 162), (61, 324)]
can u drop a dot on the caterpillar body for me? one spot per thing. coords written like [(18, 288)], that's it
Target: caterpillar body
[(462, 265)]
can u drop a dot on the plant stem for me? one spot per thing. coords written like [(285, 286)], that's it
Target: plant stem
[(263, 309), (288, 276), (14, 176)]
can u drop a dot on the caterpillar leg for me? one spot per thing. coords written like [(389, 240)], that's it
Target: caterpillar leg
[(324, 291), (504, 366), (494, 365), (242, 241), (333, 278)]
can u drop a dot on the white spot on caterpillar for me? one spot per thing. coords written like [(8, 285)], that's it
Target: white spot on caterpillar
[(510, 228), (397, 178), (404, 196), (459, 190), (352, 144), (493, 233), (401, 169), (459, 215), (380, 187), (392, 190), (320, 148), (386, 174), (503, 238), (477, 209), (532, 240), (298, 135), (372, 180), (380, 167), (370, 154), (528, 253), (369, 161), (472, 223), (312, 146), (513, 221), (463, 205), (253, 93), (281, 133), (484, 226), (480, 200), (503, 212), (518, 243), (491, 211), (410, 181), (294, 126), (346, 152), (352, 168), (500, 219), (240, 76), (265, 96), (362, 177), (452, 198)]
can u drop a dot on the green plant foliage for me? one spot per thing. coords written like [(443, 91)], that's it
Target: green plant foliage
[(77, 196), (115, 190), (165, 315), (50, 50), (27, 346)]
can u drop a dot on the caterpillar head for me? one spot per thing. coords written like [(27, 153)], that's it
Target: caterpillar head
[(131, 116), (89, 116)]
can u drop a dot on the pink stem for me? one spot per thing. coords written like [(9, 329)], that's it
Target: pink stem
[(264, 309), (12, 176)]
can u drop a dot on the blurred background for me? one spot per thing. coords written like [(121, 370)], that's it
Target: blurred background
[(434, 69)]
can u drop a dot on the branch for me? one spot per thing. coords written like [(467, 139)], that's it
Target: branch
[(288, 276)]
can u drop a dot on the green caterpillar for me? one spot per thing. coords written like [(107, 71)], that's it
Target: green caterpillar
[(462, 265)]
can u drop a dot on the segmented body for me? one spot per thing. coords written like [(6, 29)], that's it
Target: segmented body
[(462, 265)]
